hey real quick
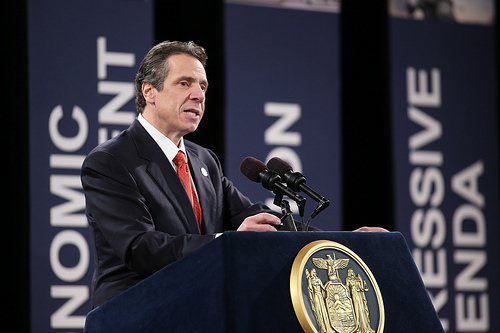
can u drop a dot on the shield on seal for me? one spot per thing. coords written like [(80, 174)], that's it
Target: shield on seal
[(339, 305)]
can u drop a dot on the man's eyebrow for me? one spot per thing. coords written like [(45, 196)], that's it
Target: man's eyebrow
[(192, 79)]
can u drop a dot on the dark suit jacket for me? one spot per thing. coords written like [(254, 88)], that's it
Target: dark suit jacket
[(139, 214)]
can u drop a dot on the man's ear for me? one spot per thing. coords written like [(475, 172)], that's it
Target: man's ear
[(149, 92)]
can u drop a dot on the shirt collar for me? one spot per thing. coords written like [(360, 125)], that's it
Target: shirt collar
[(166, 145)]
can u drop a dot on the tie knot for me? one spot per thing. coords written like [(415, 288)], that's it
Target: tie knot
[(179, 159)]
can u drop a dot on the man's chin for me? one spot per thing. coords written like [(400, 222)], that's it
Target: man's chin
[(191, 129)]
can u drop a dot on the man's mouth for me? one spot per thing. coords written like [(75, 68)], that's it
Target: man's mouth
[(193, 112)]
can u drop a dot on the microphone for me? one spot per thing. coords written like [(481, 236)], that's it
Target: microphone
[(297, 182), (258, 172)]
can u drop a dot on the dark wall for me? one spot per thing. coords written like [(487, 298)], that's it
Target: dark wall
[(366, 136), (15, 169), (366, 130)]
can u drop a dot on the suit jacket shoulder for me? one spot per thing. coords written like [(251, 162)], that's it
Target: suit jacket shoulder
[(139, 214)]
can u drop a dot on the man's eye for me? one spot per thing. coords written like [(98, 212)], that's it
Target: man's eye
[(184, 84)]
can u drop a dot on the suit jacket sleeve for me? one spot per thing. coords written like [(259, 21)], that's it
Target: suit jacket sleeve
[(139, 214)]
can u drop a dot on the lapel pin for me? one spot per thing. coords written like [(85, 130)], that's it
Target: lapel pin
[(204, 172)]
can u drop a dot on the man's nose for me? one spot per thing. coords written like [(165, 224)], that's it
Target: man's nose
[(198, 93)]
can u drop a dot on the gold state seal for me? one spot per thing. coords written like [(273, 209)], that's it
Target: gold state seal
[(333, 291)]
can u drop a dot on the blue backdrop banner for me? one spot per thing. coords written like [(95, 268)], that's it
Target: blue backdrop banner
[(282, 96), (445, 132), (83, 56)]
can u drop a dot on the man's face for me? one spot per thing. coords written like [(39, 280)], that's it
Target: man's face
[(177, 109)]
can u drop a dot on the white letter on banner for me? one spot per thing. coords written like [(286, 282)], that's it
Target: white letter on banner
[(109, 113), (432, 131), (433, 274), (422, 184), (66, 161), (103, 134), (476, 260), (77, 296), (105, 58), (278, 134), (65, 143), (422, 96), (475, 238), (472, 322), (64, 215), (465, 183), (69, 237), (422, 228)]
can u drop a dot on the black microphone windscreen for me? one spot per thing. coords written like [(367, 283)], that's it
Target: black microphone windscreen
[(278, 165), (251, 168)]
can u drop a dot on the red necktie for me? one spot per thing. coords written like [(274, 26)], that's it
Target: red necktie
[(183, 173)]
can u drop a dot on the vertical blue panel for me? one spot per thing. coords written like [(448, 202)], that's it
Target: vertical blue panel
[(283, 98), (446, 162), (83, 56)]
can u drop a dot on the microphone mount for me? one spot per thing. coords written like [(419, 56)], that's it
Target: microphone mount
[(258, 172), (271, 180)]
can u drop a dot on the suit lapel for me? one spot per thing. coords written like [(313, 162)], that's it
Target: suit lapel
[(165, 177)]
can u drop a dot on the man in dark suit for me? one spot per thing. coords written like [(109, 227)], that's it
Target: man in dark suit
[(141, 215)]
